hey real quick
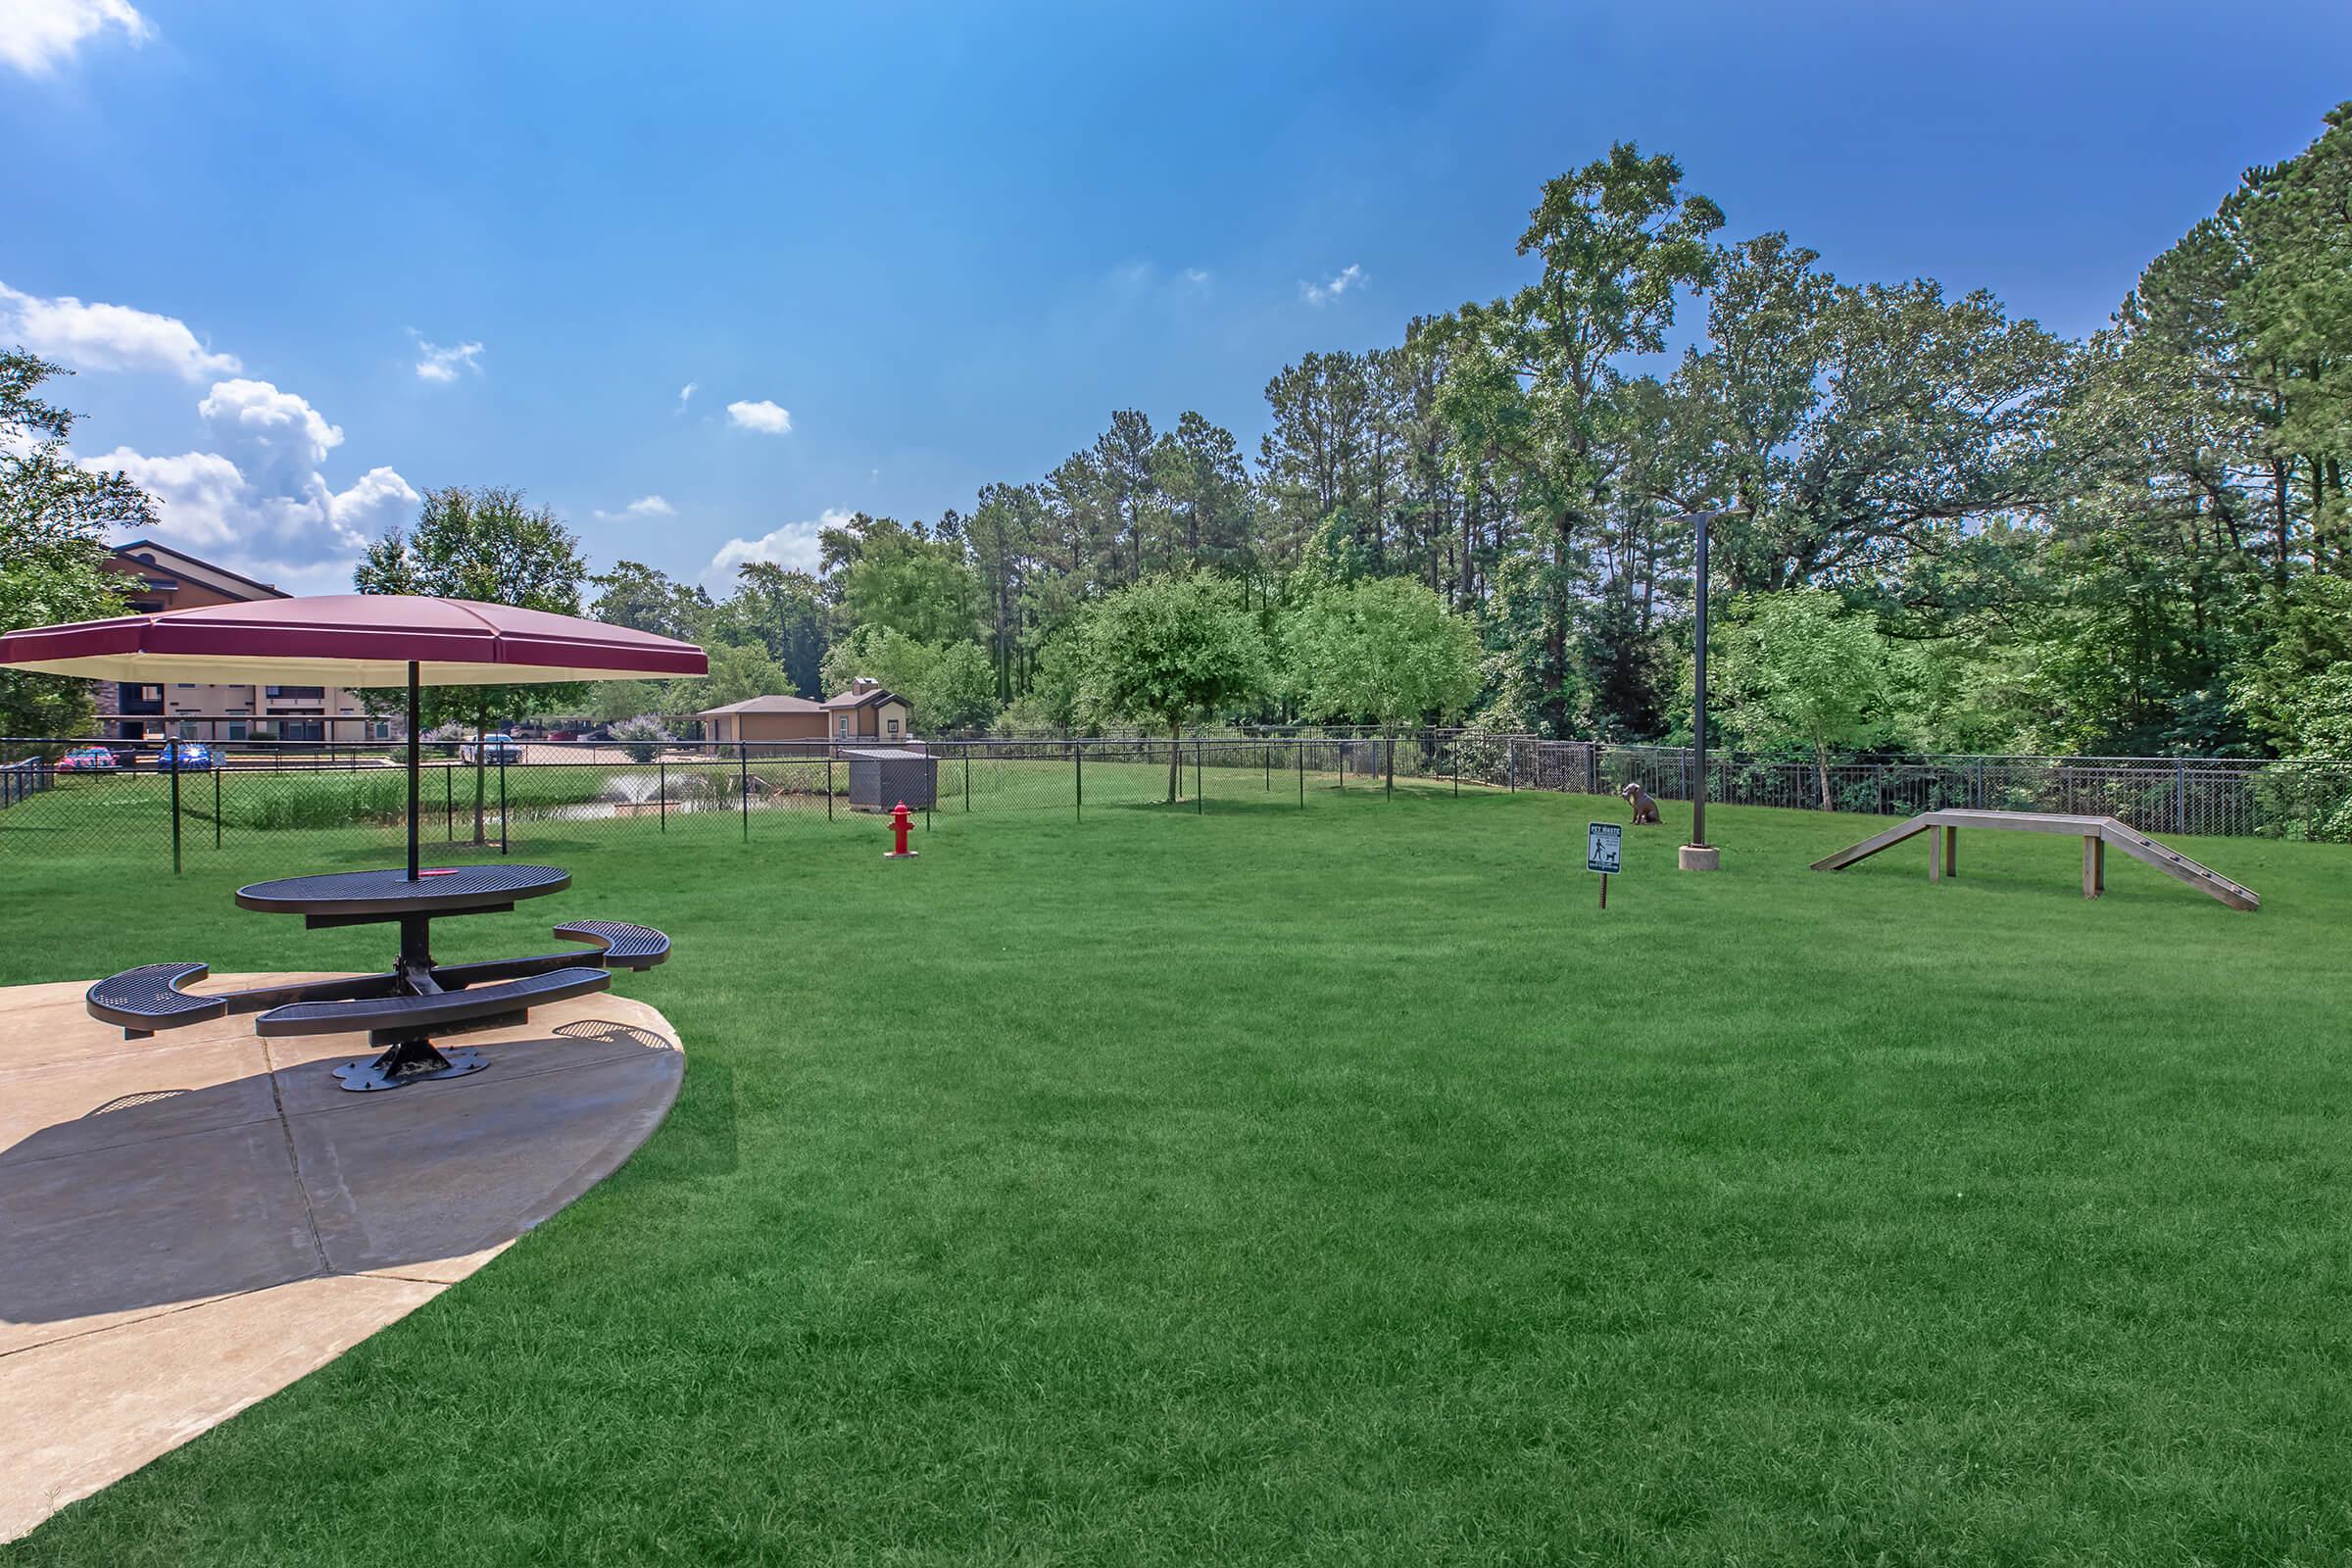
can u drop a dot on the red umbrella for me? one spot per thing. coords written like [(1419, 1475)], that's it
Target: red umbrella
[(353, 640)]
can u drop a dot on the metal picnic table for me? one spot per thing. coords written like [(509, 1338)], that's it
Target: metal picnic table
[(401, 1009)]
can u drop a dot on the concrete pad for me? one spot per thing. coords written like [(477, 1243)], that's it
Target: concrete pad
[(466, 1164), (191, 1223), (117, 1233), (83, 1413), (45, 1114), (46, 1028)]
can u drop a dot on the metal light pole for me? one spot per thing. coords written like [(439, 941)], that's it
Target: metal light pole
[(1698, 854)]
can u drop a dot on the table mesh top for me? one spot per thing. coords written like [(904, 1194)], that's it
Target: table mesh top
[(453, 884)]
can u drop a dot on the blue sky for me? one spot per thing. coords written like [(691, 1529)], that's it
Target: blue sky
[(358, 251)]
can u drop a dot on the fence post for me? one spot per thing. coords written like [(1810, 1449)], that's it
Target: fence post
[(2066, 776), (1510, 753), (449, 801), (662, 790), (1078, 774), (1388, 763), (1199, 806), (829, 781), (502, 799), (1299, 756), (216, 805), (2179, 796), (743, 783), (172, 759), (968, 781)]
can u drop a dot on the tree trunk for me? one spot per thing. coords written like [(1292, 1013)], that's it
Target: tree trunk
[(1175, 759), (1821, 765)]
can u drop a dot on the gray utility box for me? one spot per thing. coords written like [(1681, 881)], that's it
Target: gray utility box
[(881, 777)]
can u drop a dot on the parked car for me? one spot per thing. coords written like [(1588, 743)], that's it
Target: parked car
[(89, 760), (186, 758), (492, 748)]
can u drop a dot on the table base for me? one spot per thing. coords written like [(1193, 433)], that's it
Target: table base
[(411, 1062)]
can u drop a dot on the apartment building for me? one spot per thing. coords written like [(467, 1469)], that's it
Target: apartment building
[(158, 578)]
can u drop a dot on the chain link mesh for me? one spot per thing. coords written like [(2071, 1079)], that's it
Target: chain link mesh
[(251, 803)]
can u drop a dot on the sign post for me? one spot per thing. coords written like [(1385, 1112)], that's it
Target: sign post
[(1604, 852)]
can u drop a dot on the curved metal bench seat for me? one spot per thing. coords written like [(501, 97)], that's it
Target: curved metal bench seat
[(390, 1017), (620, 945), (141, 1001)]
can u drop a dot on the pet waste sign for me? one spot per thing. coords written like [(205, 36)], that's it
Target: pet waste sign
[(1604, 847), (1604, 852)]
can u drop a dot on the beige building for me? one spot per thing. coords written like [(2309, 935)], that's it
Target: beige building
[(765, 719), (866, 713), (158, 578)]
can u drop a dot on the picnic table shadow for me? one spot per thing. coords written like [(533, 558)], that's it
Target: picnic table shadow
[(169, 1195)]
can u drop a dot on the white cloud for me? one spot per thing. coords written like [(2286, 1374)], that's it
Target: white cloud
[(275, 432), (1350, 276), (260, 505), (642, 506), (794, 545), (198, 495), (685, 392), (441, 366), (104, 337), (763, 415), (205, 501), (35, 34), (1196, 275), (368, 506)]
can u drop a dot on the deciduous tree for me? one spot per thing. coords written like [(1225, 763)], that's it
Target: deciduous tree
[(53, 519), (1171, 648)]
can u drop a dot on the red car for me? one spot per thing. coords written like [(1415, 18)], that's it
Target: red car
[(89, 760)]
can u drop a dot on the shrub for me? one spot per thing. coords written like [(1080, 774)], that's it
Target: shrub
[(642, 737)]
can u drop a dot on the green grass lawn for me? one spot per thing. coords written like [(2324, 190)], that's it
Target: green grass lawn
[(1342, 1185)]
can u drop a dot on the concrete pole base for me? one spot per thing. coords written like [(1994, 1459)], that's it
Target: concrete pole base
[(1699, 857)]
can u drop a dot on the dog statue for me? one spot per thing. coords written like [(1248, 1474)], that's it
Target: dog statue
[(1646, 810)]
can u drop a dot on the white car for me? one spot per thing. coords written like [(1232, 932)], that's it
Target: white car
[(492, 748)]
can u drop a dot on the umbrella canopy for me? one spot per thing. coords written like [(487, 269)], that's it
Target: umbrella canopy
[(351, 640)]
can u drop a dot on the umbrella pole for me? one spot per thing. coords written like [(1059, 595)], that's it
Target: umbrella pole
[(415, 767)]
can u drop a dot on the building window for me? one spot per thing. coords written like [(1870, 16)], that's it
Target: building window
[(384, 729), (296, 693), (893, 729), (236, 732), (842, 728)]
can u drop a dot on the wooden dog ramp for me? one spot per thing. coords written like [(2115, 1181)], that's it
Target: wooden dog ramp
[(1943, 826)]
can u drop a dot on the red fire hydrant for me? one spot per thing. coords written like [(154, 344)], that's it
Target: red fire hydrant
[(899, 820)]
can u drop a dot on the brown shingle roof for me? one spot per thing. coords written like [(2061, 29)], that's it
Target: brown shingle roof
[(857, 699)]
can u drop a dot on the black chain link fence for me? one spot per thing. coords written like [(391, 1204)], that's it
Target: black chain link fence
[(172, 803)]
